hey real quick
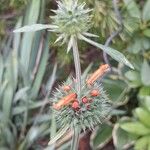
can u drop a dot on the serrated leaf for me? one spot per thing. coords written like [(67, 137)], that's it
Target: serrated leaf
[(34, 27), (110, 51), (135, 128), (143, 115), (145, 73), (146, 14)]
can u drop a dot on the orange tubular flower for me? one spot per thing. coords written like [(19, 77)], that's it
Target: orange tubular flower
[(65, 101), (98, 73)]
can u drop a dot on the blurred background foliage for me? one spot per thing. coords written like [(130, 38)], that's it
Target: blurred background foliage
[(28, 65)]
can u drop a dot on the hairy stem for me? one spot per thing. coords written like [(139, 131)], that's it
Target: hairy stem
[(75, 139), (77, 65)]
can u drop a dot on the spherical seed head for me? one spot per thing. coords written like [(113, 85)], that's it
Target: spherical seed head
[(75, 105), (71, 18), (84, 100)]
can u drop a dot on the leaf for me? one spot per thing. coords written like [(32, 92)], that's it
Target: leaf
[(134, 78), (103, 135), (1, 68), (34, 27), (135, 128), (31, 17), (145, 72), (132, 75), (142, 143), (146, 32), (132, 8), (121, 138), (143, 115), (144, 92), (146, 14), (21, 94), (117, 90), (41, 69), (110, 51)]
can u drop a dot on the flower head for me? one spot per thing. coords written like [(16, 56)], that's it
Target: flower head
[(86, 110)]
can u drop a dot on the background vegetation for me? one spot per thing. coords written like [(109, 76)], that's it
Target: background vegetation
[(30, 63)]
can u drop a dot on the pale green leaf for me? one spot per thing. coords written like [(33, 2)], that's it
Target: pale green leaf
[(143, 115), (110, 51), (142, 143), (145, 73), (132, 8), (103, 135), (135, 128), (33, 28), (121, 138), (146, 14), (146, 32)]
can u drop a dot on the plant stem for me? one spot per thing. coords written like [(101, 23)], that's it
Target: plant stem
[(75, 139), (77, 64)]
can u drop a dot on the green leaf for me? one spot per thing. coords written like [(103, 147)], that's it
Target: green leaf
[(31, 17), (146, 14), (143, 115), (34, 27), (134, 78), (142, 143), (1, 68), (41, 69), (135, 128), (103, 135), (132, 8), (145, 73), (110, 51), (121, 138), (146, 32), (132, 75), (117, 90)]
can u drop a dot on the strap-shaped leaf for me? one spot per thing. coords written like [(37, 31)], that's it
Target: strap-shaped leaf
[(34, 27), (110, 51)]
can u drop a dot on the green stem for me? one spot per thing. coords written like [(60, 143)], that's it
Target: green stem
[(77, 65), (75, 139)]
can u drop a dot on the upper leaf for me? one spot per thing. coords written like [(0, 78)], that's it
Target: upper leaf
[(146, 14), (145, 72), (110, 51), (34, 27)]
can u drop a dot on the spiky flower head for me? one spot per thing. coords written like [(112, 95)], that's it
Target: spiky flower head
[(86, 110), (71, 19)]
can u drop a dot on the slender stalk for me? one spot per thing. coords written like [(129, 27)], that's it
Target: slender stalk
[(75, 139), (77, 64)]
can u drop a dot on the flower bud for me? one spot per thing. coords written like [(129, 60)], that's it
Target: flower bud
[(94, 93)]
